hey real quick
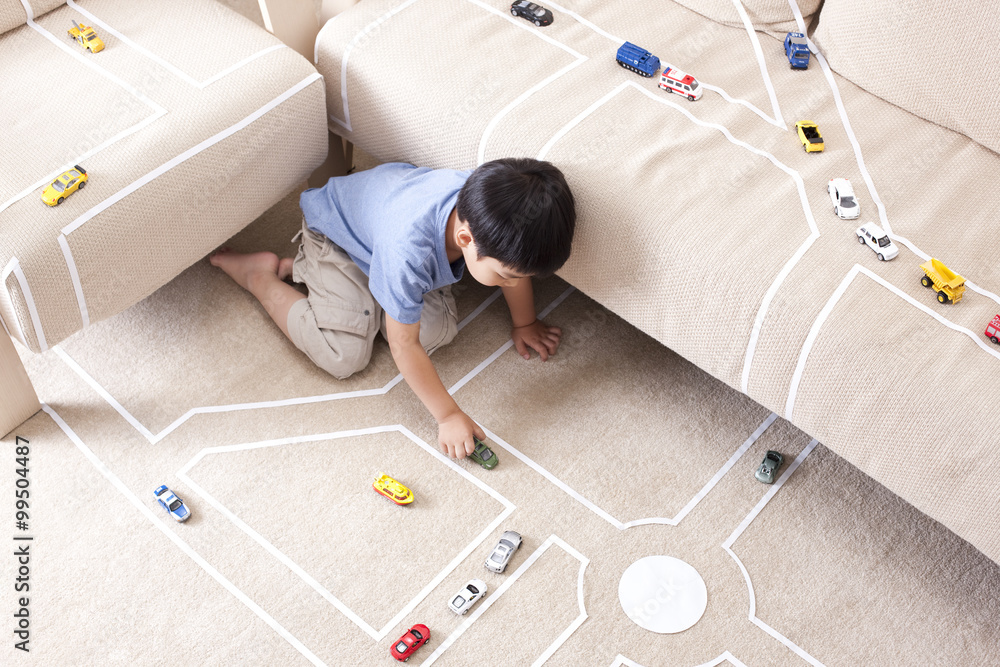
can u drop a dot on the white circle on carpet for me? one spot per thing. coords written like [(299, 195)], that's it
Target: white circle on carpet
[(663, 594)]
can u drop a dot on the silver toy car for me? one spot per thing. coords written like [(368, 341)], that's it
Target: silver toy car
[(505, 548)]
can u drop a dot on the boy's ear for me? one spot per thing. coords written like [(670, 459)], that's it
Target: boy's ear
[(464, 237)]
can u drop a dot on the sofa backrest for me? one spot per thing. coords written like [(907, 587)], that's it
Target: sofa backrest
[(13, 14), (766, 15), (935, 60)]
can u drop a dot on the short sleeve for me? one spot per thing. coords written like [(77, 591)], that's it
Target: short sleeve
[(398, 284)]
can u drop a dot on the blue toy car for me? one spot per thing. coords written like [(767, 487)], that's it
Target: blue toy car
[(797, 50), (638, 59), (174, 505)]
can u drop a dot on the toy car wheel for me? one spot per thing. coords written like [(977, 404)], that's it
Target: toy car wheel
[(691, 98), (994, 339), (836, 211), (60, 200), (513, 12), (925, 281), (942, 297), (82, 185), (538, 24), (861, 240), (881, 258), (805, 148)]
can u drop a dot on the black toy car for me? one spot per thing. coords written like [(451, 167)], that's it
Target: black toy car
[(532, 12)]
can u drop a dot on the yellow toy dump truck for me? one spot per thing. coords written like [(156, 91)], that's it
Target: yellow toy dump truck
[(949, 285)]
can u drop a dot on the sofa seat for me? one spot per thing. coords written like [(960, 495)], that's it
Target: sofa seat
[(708, 226), (190, 123)]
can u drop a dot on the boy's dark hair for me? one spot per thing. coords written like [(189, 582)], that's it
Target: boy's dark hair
[(520, 212)]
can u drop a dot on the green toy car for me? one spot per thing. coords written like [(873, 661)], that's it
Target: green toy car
[(483, 455), (769, 467)]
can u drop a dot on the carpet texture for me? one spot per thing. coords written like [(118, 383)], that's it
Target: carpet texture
[(613, 450)]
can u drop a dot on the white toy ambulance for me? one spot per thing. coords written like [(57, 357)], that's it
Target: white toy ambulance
[(674, 80)]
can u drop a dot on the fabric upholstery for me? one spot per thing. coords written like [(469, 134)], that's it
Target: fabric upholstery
[(935, 60), (190, 123), (707, 226)]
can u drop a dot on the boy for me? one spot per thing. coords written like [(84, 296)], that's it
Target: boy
[(379, 250)]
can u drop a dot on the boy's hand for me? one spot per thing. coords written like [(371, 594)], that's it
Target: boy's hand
[(538, 336), (455, 434)]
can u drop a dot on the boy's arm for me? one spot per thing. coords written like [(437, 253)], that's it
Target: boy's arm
[(527, 331), (455, 428)]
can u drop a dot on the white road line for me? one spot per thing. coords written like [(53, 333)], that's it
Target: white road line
[(377, 635), (236, 407), (176, 71), (622, 661), (14, 266), (760, 62), (727, 546), (508, 582), (180, 543), (620, 525), (831, 304)]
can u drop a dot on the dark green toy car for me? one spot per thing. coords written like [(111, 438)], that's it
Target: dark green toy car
[(483, 455), (769, 467)]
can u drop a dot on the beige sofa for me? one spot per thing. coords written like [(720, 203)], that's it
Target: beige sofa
[(705, 223), (190, 123)]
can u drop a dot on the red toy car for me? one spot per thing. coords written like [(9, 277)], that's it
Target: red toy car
[(993, 329), (408, 644)]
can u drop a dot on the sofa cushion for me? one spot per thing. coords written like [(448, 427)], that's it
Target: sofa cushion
[(936, 60), (705, 223), (190, 123)]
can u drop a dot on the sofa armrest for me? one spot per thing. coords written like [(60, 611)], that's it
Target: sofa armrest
[(18, 400)]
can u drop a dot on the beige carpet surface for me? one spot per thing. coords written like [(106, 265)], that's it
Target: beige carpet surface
[(613, 450)]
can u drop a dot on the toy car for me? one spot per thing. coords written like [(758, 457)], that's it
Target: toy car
[(505, 548), (483, 455), (674, 80), (872, 235), (408, 644), (465, 598), (993, 329), (769, 467), (532, 12), (392, 490), (845, 205), (797, 50), (65, 184), (86, 37), (812, 141), (170, 502), (637, 59)]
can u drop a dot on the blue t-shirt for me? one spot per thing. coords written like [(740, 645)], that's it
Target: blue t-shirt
[(391, 220)]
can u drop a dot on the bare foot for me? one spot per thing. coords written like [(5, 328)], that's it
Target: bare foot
[(285, 268), (243, 268)]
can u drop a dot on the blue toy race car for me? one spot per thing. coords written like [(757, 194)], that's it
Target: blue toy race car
[(174, 505)]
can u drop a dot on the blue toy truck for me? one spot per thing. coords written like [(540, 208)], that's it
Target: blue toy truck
[(796, 50), (638, 59)]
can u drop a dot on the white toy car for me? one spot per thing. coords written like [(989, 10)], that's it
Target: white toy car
[(845, 205), (505, 548), (465, 598), (872, 236)]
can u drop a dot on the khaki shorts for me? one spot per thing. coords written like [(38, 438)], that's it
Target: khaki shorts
[(335, 325)]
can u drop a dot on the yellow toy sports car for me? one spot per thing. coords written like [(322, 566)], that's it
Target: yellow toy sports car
[(65, 184), (86, 37), (392, 490)]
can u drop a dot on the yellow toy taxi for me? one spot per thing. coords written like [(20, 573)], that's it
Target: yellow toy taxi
[(65, 184), (392, 490), (85, 36)]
